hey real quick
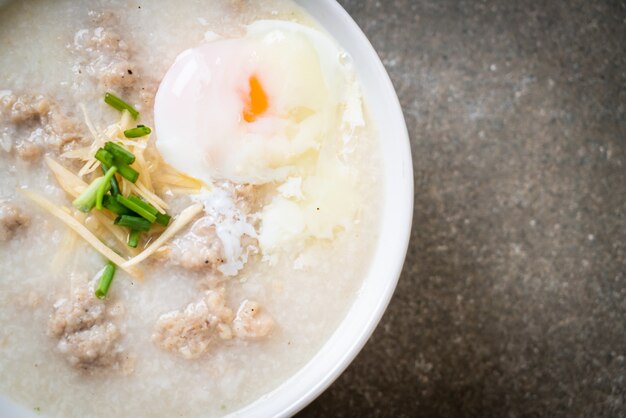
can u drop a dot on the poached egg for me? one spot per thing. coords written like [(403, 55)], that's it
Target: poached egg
[(254, 109), (278, 105)]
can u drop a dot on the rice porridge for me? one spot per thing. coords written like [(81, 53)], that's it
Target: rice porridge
[(228, 188)]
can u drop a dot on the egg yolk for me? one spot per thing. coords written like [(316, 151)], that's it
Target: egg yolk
[(256, 102)]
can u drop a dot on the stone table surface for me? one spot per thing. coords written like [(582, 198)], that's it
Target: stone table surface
[(512, 301)]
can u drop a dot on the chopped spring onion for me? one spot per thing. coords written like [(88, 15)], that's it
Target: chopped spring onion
[(104, 156), (138, 206), (140, 202), (105, 280), (120, 154), (87, 199), (111, 203), (120, 104), (128, 172), (137, 132), (115, 187), (133, 222), (105, 186), (163, 219), (133, 239)]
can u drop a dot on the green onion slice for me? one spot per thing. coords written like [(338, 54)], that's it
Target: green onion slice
[(120, 154), (128, 172), (143, 209), (109, 202), (137, 132), (163, 219), (115, 187), (87, 199), (133, 239), (104, 186), (120, 104), (133, 222), (105, 280), (105, 157), (140, 202)]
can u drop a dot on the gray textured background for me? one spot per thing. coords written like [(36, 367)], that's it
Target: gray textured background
[(513, 297)]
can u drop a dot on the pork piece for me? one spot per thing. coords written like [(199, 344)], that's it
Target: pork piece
[(199, 248), (252, 322), (34, 124), (30, 150), (103, 54), (24, 109), (11, 219), (191, 332), (104, 58), (86, 334), (91, 347)]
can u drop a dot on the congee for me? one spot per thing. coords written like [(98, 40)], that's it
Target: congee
[(188, 202)]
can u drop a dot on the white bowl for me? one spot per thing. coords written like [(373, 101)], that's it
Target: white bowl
[(397, 210)]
